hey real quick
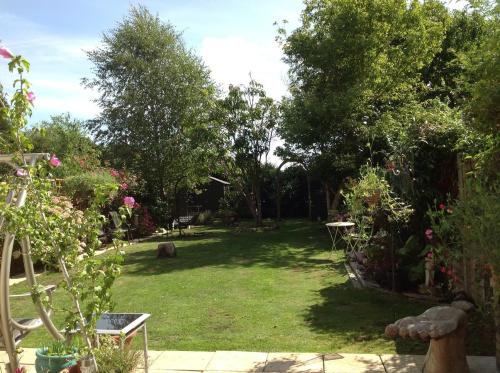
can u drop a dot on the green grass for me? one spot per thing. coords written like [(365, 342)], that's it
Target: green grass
[(263, 291)]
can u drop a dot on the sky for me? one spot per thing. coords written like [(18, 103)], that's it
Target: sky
[(233, 37)]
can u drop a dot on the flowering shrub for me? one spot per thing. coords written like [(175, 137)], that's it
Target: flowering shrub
[(58, 231), (146, 225), (442, 242)]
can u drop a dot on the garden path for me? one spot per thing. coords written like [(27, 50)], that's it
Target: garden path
[(239, 361)]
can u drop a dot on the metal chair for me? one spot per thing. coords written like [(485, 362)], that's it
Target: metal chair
[(119, 224)]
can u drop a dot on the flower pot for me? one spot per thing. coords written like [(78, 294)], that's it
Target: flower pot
[(372, 199), (127, 341), (53, 364)]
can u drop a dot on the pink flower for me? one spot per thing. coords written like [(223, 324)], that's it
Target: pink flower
[(21, 370), (442, 206), (442, 269), (5, 53), (31, 97), (429, 254), (21, 172), (123, 186), (114, 173), (54, 161), (428, 234), (129, 201)]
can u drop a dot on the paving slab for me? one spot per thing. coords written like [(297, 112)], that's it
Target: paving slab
[(152, 356), (28, 356), (182, 360), (238, 361), (482, 364), (166, 371), (403, 363), (353, 363), (294, 362), (222, 371)]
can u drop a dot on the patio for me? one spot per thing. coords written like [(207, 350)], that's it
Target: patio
[(239, 361)]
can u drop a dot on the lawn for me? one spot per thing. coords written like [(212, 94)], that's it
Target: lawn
[(281, 290)]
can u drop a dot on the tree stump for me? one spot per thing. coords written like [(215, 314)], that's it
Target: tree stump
[(445, 327), (166, 250)]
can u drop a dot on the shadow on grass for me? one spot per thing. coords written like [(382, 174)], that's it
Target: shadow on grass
[(294, 245), (359, 316)]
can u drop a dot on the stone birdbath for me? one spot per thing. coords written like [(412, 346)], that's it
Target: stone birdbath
[(444, 327)]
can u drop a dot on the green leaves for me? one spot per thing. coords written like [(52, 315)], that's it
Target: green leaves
[(156, 100)]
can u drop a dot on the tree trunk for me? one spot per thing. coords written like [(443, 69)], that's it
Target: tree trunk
[(258, 206), (309, 198), (336, 199), (250, 198), (496, 313), (278, 196), (327, 196)]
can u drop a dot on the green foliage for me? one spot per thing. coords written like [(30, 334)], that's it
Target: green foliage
[(419, 143), (482, 75), (350, 62), (378, 214), (155, 97), (55, 230), (477, 219), (111, 358), (443, 77), (80, 188), (60, 348), (248, 121), (371, 194), (205, 217), (65, 137), (14, 114)]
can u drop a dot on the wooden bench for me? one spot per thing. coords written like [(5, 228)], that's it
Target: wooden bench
[(183, 222)]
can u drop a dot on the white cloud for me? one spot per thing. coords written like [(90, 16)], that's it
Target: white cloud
[(57, 65), (232, 59)]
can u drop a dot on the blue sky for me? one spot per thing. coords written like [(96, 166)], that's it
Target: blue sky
[(234, 38)]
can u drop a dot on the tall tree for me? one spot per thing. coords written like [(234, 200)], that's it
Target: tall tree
[(155, 97), (349, 62), (248, 123)]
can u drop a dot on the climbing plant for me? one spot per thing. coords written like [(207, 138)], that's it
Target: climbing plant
[(58, 231)]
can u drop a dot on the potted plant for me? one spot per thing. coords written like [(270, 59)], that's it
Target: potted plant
[(56, 357), (58, 231), (113, 359)]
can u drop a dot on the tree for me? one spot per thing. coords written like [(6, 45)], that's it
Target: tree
[(482, 72), (349, 62), (155, 97), (65, 137), (442, 78), (248, 123), (477, 215)]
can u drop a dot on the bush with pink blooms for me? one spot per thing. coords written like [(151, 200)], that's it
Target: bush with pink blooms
[(60, 231)]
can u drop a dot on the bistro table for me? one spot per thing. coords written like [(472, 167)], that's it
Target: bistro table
[(124, 325), (333, 229)]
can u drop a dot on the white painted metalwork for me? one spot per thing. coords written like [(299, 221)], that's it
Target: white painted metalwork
[(13, 330)]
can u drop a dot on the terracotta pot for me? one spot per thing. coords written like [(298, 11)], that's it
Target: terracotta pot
[(128, 339), (372, 199)]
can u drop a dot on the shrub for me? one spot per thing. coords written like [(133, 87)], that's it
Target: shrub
[(111, 358), (205, 217), (80, 188)]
